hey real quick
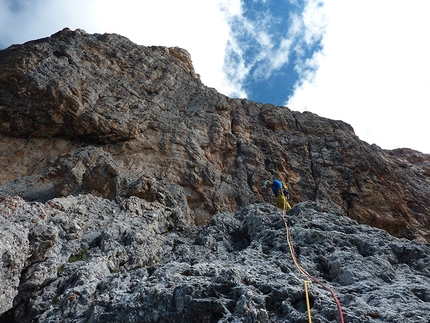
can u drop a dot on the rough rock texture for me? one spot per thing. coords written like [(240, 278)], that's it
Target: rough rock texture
[(146, 112), (112, 153), (88, 259)]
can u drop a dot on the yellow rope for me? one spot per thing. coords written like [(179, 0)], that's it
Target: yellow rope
[(293, 255), (291, 246), (306, 282)]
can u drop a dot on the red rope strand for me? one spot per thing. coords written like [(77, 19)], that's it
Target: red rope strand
[(303, 271)]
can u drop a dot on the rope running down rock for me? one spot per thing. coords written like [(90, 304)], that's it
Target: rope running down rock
[(304, 272)]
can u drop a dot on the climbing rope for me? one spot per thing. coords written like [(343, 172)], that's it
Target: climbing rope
[(308, 306), (304, 272)]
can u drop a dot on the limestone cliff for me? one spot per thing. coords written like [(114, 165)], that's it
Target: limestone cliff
[(87, 259), (111, 153), (145, 111)]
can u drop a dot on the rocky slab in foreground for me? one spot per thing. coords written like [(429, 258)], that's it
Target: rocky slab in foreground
[(88, 259)]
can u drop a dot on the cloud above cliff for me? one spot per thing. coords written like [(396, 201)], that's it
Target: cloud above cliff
[(362, 62), (271, 47), (373, 72)]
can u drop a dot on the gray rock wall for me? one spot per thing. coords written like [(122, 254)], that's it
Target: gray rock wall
[(131, 192), (87, 259), (94, 113)]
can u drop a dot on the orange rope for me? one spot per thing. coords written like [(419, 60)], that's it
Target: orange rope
[(304, 272)]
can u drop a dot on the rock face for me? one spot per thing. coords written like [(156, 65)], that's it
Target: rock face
[(146, 112), (88, 259), (131, 192)]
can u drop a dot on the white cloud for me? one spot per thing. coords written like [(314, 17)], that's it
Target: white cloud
[(373, 72), (256, 52), (315, 21), (29, 20)]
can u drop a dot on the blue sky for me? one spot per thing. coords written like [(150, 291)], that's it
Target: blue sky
[(269, 40), (361, 61)]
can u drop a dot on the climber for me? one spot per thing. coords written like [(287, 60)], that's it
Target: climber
[(281, 193)]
